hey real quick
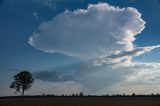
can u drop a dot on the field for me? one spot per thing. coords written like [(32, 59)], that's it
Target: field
[(83, 101)]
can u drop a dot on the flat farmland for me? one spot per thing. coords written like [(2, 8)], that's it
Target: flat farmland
[(83, 101)]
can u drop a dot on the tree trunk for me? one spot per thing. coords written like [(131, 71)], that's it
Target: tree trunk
[(22, 95)]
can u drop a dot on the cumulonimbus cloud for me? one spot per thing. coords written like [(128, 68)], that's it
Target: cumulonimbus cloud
[(100, 29)]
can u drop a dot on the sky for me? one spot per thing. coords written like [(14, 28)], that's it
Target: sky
[(69, 46)]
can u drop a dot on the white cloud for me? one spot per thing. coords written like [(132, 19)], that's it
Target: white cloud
[(135, 52), (100, 29), (104, 32), (124, 57), (145, 72), (129, 79)]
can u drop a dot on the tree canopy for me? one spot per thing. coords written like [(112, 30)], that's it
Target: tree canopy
[(22, 82)]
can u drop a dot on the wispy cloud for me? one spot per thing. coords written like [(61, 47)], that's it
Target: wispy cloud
[(52, 3), (35, 14), (48, 3), (124, 57)]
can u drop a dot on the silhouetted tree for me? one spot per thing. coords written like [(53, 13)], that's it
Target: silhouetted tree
[(81, 94), (133, 94), (22, 82), (124, 94)]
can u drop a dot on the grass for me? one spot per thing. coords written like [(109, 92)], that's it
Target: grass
[(83, 101)]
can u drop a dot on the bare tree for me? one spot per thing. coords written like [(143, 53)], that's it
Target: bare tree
[(22, 82)]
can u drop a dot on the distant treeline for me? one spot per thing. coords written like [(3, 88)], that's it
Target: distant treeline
[(80, 95)]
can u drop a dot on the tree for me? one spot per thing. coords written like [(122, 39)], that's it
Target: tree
[(22, 82)]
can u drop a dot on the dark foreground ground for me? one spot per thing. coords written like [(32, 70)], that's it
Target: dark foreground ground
[(83, 101)]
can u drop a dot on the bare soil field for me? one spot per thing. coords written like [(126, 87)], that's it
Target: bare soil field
[(83, 101)]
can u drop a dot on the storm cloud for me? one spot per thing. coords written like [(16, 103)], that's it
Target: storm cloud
[(100, 29), (103, 37)]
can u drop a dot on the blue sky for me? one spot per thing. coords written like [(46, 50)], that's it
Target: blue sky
[(21, 20)]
